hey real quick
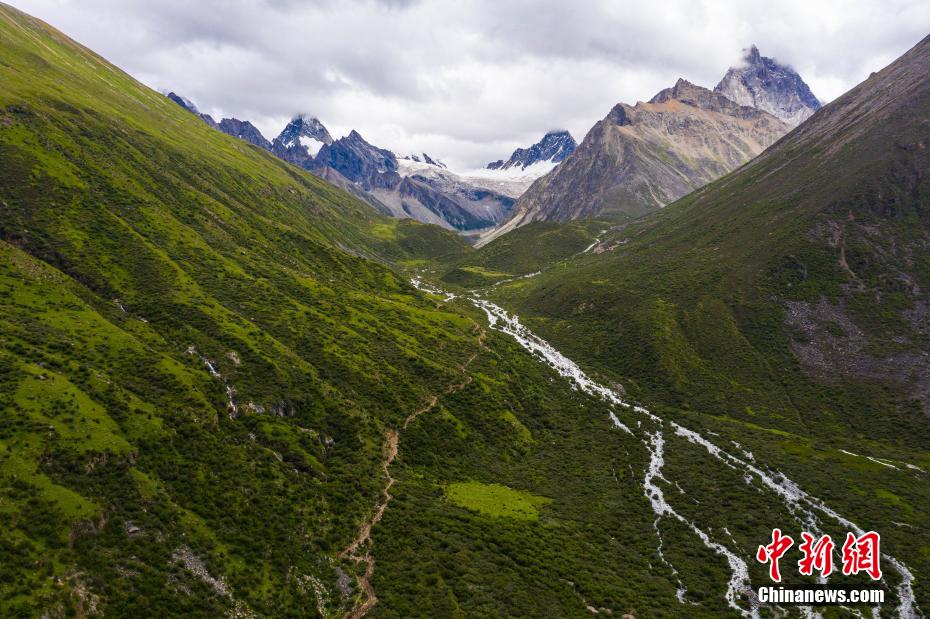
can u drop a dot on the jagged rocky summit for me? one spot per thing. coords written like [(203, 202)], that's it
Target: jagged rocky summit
[(640, 158), (554, 147), (765, 84)]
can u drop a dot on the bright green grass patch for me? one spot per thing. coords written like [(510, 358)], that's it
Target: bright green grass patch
[(51, 399), (384, 231), (524, 436), (496, 500), (17, 461), (754, 426), (457, 425), (474, 276), (892, 498), (485, 272), (147, 487)]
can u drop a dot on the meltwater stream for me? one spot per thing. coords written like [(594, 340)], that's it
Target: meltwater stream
[(807, 509), (500, 319)]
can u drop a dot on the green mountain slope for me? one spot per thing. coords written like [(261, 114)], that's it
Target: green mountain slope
[(138, 247), (785, 304), (205, 357), (220, 397)]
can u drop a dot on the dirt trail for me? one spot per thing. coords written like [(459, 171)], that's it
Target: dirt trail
[(389, 454), (364, 533), (449, 390)]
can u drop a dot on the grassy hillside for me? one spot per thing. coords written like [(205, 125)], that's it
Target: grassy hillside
[(221, 397), (197, 355), (784, 305), (205, 357), (522, 251)]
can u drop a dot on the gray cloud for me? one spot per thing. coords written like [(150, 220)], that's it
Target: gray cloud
[(469, 80)]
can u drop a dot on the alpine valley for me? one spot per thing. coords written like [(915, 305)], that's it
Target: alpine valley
[(243, 377)]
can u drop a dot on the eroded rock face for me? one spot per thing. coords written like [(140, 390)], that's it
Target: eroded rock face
[(831, 347), (416, 186), (427, 192), (765, 84), (641, 157), (881, 275), (360, 162), (244, 130)]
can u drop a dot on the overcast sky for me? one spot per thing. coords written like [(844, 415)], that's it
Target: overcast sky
[(469, 80)]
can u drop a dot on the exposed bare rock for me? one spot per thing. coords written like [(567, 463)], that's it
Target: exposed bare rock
[(830, 347), (639, 158), (194, 564), (765, 84)]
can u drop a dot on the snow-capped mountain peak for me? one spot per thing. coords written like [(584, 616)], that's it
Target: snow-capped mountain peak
[(525, 165), (306, 131), (555, 146)]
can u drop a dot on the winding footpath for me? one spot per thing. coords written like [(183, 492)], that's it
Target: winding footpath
[(389, 454)]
